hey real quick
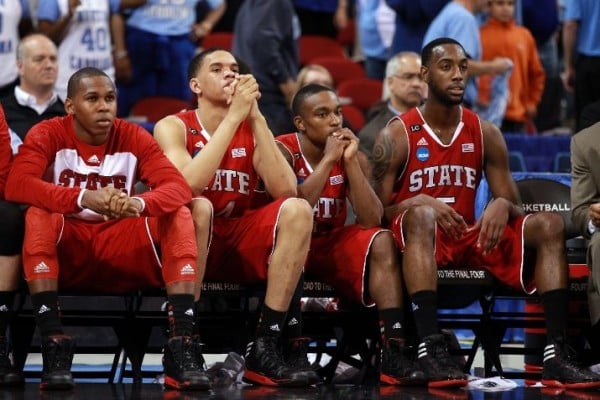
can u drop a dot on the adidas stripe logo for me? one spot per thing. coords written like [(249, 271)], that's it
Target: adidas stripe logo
[(41, 268), (187, 269), (549, 352), (422, 351), (43, 309)]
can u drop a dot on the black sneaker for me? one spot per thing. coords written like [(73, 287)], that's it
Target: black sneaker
[(197, 350), (562, 370), (57, 354), (435, 360), (296, 357), (182, 371), (9, 376), (397, 368), (265, 365)]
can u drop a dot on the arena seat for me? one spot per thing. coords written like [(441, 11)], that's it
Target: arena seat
[(363, 92), (341, 69), (154, 108), (354, 116), (223, 40), (315, 46)]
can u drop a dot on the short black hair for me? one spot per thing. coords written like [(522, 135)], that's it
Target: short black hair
[(306, 91), (196, 62), (78, 76), (427, 52)]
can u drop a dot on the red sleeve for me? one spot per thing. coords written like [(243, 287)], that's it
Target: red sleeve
[(5, 152), (26, 182), (168, 189)]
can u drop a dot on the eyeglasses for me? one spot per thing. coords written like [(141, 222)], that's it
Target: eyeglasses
[(408, 77)]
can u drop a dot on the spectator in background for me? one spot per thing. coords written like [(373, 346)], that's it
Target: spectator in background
[(84, 32), (11, 245), (161, 40), (314, 73), (15, 22), (541, 18), (208, 14), (581, 50), (322, 17), (34, 99), (405, 90), (413, 17), (502, 37), (266, 37), (375, 31), (457, 21)]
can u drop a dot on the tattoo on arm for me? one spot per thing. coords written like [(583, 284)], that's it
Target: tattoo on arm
[(382, 154)]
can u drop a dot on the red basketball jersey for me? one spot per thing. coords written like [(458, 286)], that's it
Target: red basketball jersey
[(235, 181), (330, 211), (449, 172)]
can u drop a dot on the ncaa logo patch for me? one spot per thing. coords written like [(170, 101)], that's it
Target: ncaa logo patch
[(422, 154)]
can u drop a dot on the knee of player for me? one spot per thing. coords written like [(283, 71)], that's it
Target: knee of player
[(202, 211), (384, 246), (383, 254), (550, 226), (296, 214), (420, 218)]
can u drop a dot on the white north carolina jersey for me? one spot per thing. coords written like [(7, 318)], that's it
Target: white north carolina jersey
[(11, 13), (87, 40)]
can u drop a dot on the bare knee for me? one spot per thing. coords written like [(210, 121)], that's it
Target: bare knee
[(201, 211), (383, 248), (296, 216), (545, 228), (419, 220)]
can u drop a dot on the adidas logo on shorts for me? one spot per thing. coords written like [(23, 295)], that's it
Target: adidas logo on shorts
[(187, 269), (41, 268)]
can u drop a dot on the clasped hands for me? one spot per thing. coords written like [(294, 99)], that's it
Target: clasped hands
[(111, 203)]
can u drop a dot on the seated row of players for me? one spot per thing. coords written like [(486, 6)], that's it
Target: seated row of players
[(77, 175)]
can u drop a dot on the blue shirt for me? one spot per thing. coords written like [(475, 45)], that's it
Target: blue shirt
[(373, 20), (48, 10), (587, 13), (170, 18)]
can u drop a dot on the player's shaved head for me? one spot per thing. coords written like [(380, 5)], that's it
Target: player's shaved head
[(307, 91), (87, 72)]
